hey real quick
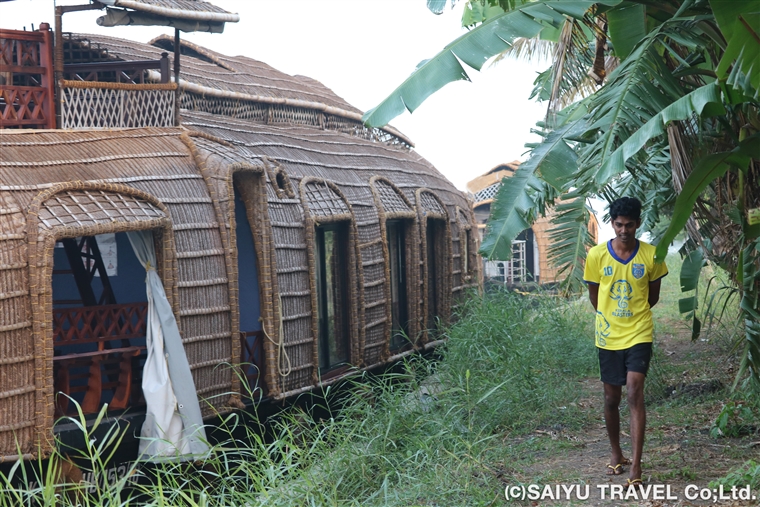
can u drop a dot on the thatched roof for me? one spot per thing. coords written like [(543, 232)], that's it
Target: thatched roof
[(182, 9), (214, 76), (484, 187), (185, 15), (305, 151)]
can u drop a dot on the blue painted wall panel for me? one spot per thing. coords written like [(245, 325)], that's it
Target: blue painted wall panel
[(248, 277)]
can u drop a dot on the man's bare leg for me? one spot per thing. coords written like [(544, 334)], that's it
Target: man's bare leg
[(612, 396), (635, 383)]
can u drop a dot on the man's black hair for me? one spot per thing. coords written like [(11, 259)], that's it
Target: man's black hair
[(626, 207)]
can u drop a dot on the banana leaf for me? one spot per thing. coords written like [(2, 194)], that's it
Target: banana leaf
[(511, 211), (474, 48), (690, 272), (684, 108)]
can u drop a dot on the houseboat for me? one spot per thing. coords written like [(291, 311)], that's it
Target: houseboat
[(246, 212)]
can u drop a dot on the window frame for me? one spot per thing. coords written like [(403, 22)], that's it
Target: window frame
[(397, 257), (342, 333)]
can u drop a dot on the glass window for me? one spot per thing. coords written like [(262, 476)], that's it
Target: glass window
[(395, 231), (466, 253), (332, 294), (434, 241)]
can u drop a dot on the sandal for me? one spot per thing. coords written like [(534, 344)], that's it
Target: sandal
[(635, 483), (615, 470)]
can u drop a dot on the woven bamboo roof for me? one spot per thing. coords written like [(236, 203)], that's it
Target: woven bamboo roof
[(214, 70), (347, 160), (198, 10), (239, 78)]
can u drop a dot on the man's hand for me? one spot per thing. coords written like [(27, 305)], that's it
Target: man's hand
[(593, 293)]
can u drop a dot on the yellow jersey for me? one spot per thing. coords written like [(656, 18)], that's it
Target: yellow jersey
[(623, 316)]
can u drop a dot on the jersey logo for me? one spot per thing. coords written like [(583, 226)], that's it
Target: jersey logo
[(637, 270), (602, 329), (621, 291)]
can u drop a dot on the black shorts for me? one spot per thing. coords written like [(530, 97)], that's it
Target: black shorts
[(614, 365)]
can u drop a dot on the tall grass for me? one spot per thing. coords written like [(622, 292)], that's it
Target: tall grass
[(429, 435)]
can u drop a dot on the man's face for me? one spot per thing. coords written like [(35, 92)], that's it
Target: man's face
[(625, 228)]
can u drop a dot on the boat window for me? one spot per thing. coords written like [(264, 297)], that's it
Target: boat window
[(99, 323), (466, 253), (435, 237), (249, 306), (396, 237), (331, 254)]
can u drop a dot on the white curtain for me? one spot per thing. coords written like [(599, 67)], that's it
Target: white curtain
[(173, 425)]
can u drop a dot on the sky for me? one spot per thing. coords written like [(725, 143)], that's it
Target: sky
[(362, 50)]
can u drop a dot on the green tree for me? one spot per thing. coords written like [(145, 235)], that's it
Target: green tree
[(674, 121)]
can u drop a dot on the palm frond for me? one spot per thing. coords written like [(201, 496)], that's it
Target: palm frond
[(571, 62), (684, 108), (515, 206), (640, 88), (705, 171), (528, 49), (570, 239), (740, 24)]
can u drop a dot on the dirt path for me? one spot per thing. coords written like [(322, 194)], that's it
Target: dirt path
[(680, 458)]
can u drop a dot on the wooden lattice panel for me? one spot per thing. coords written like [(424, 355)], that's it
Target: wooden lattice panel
[(116, 108), (109, 367), (7, 47), (26, 79), (392, 201), (431, 204), (19, 52), (94, 324), (23, 106), (324, 201), (90, 207)]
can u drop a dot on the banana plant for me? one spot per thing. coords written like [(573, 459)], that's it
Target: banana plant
[(676, 123)]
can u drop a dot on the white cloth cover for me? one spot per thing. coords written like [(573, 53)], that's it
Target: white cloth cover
[(173, 424)]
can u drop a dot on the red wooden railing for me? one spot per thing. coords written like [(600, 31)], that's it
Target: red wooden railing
[(27, 93), (131, 72), (108, 330), (90, 324)]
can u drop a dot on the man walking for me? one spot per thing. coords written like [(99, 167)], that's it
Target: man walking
[(623, 285)]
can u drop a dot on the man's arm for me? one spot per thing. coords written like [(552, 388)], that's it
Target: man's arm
[(654, 292), (593, 293)]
